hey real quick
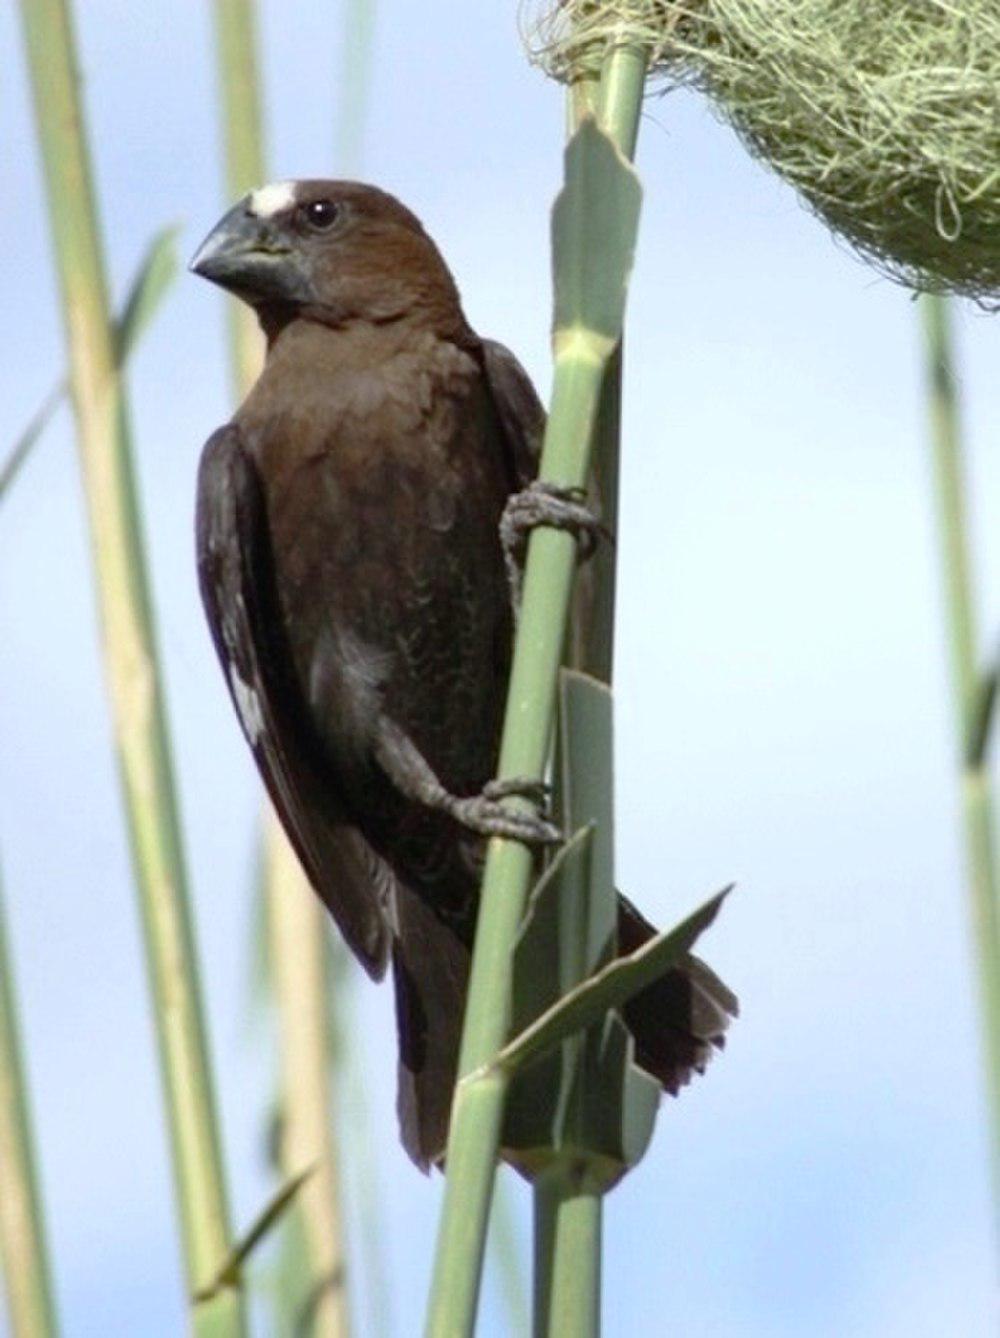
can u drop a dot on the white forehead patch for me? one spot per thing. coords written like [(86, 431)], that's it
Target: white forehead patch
[(270, 200)]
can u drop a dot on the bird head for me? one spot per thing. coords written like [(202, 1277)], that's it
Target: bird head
[(331, 251)]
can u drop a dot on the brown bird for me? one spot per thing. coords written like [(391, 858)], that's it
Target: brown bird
[(354, 580)]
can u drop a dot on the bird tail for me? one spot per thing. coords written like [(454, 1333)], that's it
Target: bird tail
[(678, 1020), (430, 966)]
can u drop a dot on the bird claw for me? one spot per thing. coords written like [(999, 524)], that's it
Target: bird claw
[(484, 813), (550, 504)]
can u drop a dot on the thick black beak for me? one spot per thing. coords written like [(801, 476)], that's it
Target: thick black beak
[(247, 255)]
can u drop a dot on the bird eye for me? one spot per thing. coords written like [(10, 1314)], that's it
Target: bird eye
[(320, 214)]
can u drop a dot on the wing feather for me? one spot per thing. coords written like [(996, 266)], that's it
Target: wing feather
[(520, 411), (236, 577)]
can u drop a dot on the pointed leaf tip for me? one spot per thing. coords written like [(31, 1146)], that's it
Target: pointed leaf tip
[(608, 988), (269, 1216), (157, 271)]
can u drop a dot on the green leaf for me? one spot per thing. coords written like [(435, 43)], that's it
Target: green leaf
[(583, 1099), (156, 273), (537, 1108), (23, 446), (536, 985), (569, 926), (586, 791), (611, 987), (981, 716), (625, 1099), (147, 290), (595, 222), (271, 1214)]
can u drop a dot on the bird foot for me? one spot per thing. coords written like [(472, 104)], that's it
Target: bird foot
[(484, 813), (551, 504)]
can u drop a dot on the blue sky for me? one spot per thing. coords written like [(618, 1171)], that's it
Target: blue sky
[(782, 709)]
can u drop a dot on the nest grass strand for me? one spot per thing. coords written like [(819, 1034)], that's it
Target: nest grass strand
[(883, 114)]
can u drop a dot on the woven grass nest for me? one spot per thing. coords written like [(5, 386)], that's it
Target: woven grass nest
[(883, 114)]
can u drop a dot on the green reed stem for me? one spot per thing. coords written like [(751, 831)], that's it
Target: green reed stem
[(295, 918), (477, 1112), (974, 689), (567, 1253), (131, 660), (568, 1200), (354, 81), (28, 1285), (243, 153), (300, 963)]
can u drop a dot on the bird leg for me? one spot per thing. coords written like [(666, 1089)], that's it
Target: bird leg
[(551, 504), (482, 813)]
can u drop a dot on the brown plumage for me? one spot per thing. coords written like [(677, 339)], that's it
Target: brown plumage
[(352, 573)]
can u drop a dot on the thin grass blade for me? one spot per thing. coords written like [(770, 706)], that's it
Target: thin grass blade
[(610, 988), (264, 1223), (974, 691), (156, 273), (31, 435), (23, 1248), (982, 718)]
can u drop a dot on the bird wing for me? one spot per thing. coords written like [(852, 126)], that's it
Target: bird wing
[(235, 571), (520, 411)]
